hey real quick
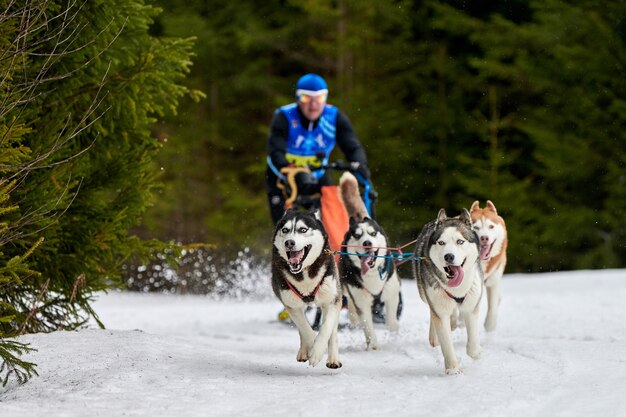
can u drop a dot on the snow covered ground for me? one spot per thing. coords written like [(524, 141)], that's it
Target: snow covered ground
[(559, 350)]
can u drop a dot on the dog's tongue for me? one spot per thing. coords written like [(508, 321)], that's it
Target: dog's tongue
[(484, 252), (457, 276), (364, 265), (295, 256)]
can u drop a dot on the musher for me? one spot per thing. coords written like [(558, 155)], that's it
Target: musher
[(302, 134)]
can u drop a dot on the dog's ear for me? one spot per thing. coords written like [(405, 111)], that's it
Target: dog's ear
[(441, 216), (317, 213), (353, 221), (286, 213), (491, 207), (465, 217), (475, 206)]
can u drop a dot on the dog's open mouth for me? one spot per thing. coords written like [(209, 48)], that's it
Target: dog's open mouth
[(455, 274), (296, 258), (368, 260), (485, 250)]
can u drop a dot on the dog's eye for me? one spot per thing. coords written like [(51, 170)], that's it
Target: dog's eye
[(374, 233), (460, 242), (285, 230), (476, 227), (491, 226), (358, 235), (303, 230), (441, 243)]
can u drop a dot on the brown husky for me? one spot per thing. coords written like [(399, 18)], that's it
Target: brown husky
[(491, 230)]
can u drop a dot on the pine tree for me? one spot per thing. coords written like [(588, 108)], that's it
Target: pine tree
[(454, 101), (562, 74), (83, 84)]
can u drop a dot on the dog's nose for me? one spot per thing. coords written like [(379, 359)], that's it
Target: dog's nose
[(290, 244), (367, 243), (484, 239), (448, 257)]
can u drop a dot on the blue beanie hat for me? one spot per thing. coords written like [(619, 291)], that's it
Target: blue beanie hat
[(311, 82)]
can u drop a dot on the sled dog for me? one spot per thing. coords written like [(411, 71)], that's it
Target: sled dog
[(304, 272), (449, 276), (366, 275), (491, 231)]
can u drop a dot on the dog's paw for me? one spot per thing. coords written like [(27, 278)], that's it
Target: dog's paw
[(303, 355), (490, 324), (433, 341), (333, 365), (315, 356), (474, 353), (372, 346), (394, 327), (454, 371)]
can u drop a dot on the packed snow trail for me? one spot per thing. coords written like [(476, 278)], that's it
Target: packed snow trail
[(558, 351)]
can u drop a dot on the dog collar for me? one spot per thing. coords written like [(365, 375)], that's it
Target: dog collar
[(371, 293), (457, 299), (305, 298)]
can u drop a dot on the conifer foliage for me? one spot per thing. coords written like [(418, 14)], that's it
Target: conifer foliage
[(81, 83), (520, 102)]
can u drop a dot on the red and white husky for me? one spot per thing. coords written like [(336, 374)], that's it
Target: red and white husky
[(491, 230)]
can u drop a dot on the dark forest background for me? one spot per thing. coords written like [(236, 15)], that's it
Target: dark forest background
[(520, 102)]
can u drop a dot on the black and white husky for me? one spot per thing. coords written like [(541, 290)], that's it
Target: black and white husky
[(449, 277), (304, 272), (367, 275)]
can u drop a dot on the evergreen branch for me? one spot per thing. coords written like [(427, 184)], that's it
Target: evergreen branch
[(39, 215), (11, 365), (32, 86), (81, 126)]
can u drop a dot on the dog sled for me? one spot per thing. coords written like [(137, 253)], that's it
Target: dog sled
[(334, 216), (328, 199)]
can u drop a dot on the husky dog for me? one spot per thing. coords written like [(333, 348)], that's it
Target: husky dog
[(367, 276), (491, 231), (304, 272), (449, 276)]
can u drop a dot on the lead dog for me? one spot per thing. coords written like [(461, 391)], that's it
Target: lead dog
[(448, 277), (367, 274), (491, 231), (304, 272)]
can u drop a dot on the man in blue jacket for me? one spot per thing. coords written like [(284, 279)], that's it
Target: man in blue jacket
[(304, 133)]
